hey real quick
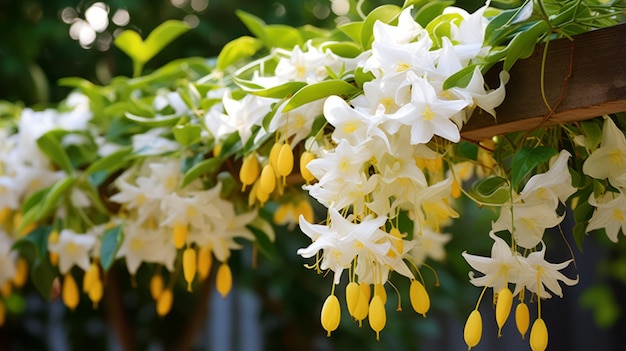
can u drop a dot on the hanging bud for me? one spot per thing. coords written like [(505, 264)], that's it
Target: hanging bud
[(274, 156), (456, 188), (21, 272), (268, 180), (539, 335), (284, 164), (70, 292), (473, 330), (353, 292), (189, 266), (95, 293), (379, 290), (205, 261), (156, 286), (377, 315), (249, 171), (7, 289), (503, 307), (305, 158), (261, 195), (2, 313), (180, 235), (420, 301), (164, 302), (217, 150), (224, 280), (367, 291), (522, 318), (331, 314), (362, 307), (91, 276)]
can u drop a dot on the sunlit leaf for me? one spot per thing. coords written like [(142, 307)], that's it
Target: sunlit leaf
[(320, 90), (236, 50), (526, 160)]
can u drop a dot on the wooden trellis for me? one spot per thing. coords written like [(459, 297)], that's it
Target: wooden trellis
[(584, 78)]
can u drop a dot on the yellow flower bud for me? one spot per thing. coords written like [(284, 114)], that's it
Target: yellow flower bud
[(156, 286), (377, 315), (21, 272), (268, 179), (189, 266), (217, 150), (539, 335), (70, 292), (353, 292), (456, 188), (249, 171), (305, 158), (331, 314), (54, 258), (420, 301), (95, 292), (205, 261), (164, 302), (362, 307), (367, 291), (180, 235), (473, 329), (274, 156), (522, 318), (261, 195), (7, 289), (379, 290), (2, 313), (503, 307), (5, 212), (284, 164), (91, 276), (224, 280)]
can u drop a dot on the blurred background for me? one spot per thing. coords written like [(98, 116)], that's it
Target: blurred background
[(275, 305)]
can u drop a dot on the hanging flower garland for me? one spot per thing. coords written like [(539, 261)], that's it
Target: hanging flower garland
[(173, 168)]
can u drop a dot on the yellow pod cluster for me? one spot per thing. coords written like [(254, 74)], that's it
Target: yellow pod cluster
[(92, 284)]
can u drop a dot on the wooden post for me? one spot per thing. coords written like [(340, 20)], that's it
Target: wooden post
[(597, 85)]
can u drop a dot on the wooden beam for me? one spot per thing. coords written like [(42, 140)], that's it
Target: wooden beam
[(596, 86)]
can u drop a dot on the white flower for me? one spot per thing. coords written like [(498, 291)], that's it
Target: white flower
[(610, 214), (502, 268), (530, 221), (153, 143), (539, 273), (73, 249), (7, 258), (243, 114), (428, 244), (609, 160), (144, 244), (302, 66), (554, 185)]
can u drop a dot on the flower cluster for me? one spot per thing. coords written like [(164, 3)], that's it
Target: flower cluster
[(168, 174)]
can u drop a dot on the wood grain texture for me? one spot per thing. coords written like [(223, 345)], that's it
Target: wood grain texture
[(597, 85)]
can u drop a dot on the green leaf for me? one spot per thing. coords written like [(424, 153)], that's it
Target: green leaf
[(526, 160), (138, 50), (467, 150), (111, 240), (207, 166), (282, 36), (601, 299), (277, 92), (50, 145), (593, 134), (352, 30), (236, 50), (154, 122), (430, 10), (503, 24), (383, 13), (190, 96), (255, 25), (42, 274), (38, 239), (52, 198), (109, 163), (523, 44), (320, 90), (187, 134), (344, 49), (263, 242), (460, 79), (491, 190)]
